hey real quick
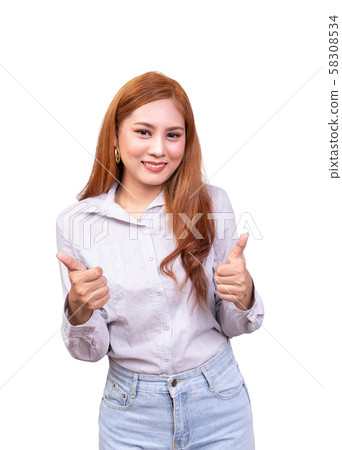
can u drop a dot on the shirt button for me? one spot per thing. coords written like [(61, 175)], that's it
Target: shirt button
[(150, 258), (166, 327), (159, 292), (143, 227), (174, 383), (165, 359)]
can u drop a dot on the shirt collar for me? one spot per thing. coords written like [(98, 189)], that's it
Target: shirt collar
[(158, 201), (105, 204)]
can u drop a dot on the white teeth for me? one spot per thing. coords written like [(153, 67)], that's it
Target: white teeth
[(154, 165)]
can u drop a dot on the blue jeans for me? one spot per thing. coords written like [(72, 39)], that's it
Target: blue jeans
[(204, 408)]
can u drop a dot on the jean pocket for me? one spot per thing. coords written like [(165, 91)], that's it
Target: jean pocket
[(116, 395), (247, 393), (228, 383)]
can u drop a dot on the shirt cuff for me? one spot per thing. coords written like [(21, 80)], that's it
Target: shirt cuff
[(256, 310), (85, 328), (88, 341)]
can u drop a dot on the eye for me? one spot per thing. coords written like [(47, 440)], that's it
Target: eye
[(142, 132), (174, 135)]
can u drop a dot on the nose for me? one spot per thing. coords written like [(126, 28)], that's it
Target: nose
[(156, 147)]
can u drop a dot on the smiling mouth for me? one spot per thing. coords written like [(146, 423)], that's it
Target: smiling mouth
[(153, 165)]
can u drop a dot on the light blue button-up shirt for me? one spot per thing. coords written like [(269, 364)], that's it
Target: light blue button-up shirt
[(147, 325)]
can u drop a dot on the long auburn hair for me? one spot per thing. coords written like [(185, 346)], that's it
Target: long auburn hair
[(179, 190)]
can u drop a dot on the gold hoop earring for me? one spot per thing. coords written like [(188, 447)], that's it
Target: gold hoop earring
[(117, 155)]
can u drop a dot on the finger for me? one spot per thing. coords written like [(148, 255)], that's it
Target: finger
[(97, 284), (98, 304), (96, 299), (236, 267), (231, 297), (97, 294), (228, 292), (226, 270), (237, 251), (93, 274), (227, 289), (70, 263), (88, 295)]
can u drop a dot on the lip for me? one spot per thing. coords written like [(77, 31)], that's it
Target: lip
[(154, 169), (154, 162)]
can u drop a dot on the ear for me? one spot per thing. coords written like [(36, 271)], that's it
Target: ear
[(116, 140)]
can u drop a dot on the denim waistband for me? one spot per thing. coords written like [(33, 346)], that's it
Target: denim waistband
[(177, 383)]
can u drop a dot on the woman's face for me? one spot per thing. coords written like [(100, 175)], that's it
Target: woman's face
[(152, 144)]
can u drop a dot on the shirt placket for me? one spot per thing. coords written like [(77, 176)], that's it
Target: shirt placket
[(149, 239)]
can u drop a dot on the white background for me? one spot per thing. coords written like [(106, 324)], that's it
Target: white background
[(256, 75)]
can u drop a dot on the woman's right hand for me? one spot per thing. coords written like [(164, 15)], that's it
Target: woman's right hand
[(89, 290)]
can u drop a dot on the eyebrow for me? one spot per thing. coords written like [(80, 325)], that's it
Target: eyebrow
[(149, 125)]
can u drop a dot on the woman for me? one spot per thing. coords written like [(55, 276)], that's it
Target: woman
[(153, 278)]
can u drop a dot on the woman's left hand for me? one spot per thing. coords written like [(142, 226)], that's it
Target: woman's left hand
[(234, 282)]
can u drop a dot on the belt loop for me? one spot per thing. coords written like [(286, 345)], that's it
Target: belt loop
[(134, 385), (205, 373)]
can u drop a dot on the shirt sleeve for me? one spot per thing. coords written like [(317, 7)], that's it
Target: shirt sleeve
[(233, 320), (89, 341)]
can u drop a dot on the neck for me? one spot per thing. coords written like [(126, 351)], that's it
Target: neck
[(136, 197)]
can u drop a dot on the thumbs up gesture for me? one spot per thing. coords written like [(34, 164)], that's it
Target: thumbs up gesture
[(233, 281), (89, 290)]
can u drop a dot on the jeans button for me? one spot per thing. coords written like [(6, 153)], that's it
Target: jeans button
[(174, 383)]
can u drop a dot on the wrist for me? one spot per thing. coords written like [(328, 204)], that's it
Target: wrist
[(247, 301), (77, 315)]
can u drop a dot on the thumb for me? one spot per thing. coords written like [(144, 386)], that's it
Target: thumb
[(70, 263), (237, 251)]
